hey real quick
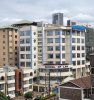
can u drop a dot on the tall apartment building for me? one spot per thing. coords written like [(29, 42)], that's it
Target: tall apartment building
[(57, 18), (8, 46), (65, 45)]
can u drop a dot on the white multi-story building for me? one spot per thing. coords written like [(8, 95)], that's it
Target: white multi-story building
[(65, 45)]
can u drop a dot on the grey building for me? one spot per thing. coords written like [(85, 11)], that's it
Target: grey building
[(57, 18)]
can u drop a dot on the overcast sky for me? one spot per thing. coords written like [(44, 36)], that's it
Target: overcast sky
[(38, 10)]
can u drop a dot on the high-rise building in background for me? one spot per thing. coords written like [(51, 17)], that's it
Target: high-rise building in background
[(57, 18), (70, 23), (8, 46)]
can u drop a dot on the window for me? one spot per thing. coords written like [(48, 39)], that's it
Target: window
[(28, 40), (83, 62), (78, 40), (28, 64), (57, 48), (73, 55), (27, 48), (78, 55), (3, 41), (78, 62), (78, 47), (22, 56), (22, 48), (3, 59), (63, 40), (83, 40), (73, 48), (63, 32), (57, 55), (73, 40), (58, 62), (3, 47), (21, 33), (57, 40), (50, 33), (15, 36), (83, 55), (15, 42), (63, 48), (50, 55), (83, 48), (34, 64), (15, 48), (34, 48), (34, 33), (50, 48), (34, 56), (74, 62), (34, 40), (22, 64), (27, 56), (3, 53), (78, 33), (22, 41), (57, 32), (27, 33), (63, 55), (3, 36), (50, 40), (15, 31), (3, 30)]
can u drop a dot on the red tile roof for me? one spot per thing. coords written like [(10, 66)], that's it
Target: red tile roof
[(83, 82)]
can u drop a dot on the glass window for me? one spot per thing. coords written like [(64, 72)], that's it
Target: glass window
[(50, 48), (50, 40), (27, 48), (63, 55), (27, 56), (21, 33), (22, 48), (73, 55), (22, 56), (22, 64), (57, 32), (78, 62), (78, 47), (57, 48), (27, 33), (73, 48), (50, 33), (50, 55), (83, 55), (78, 55), (78, 40), (63, 32), (73, 40), (28, 64), (63, 40), (83, 40), (57, 40), (63, 48), (22, 41), (74, 62), (57, 55), (28, 40), (58, 62), (78, 33), (83, 62), (83, 48)]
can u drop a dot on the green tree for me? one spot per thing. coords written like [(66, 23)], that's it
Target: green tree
[(2, 96), (28, 95)]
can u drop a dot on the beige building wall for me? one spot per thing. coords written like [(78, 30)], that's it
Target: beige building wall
[(8, 46)]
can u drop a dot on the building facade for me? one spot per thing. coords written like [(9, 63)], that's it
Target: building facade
[(8, 46), (65, 45)]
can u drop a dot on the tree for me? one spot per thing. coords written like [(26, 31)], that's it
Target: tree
[(2, 96), (28, 95)]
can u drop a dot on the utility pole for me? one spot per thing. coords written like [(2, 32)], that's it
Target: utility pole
[(49, 81)]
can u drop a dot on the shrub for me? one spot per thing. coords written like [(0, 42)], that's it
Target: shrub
[(28, 95)]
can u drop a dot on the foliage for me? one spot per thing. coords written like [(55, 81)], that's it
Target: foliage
[(45, 98), (2, 96), (28, 95)]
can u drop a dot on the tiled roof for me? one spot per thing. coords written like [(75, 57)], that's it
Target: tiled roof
[(83, 82)]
